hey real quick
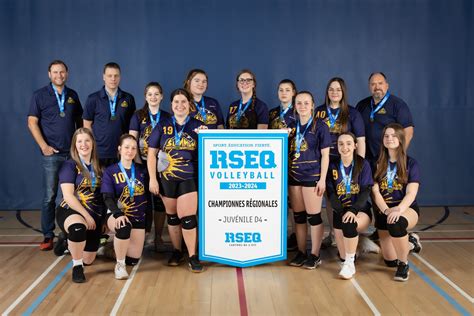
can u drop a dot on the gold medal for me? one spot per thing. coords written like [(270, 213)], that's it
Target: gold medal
[(62, 114), (297, 155)]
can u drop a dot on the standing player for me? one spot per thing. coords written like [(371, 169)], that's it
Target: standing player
[(82, 210), (309, 160), (340, 117), (107, 113), (124, 191), (141, 125), (248, 112), (177, 141), (54, 114), (348, 186), (397, 179), (204, 109)]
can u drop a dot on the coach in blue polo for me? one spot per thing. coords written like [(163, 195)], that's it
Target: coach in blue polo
[(55, 113), (107, 113)]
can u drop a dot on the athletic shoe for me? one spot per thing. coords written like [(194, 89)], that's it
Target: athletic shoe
[(195, 265), (414, 242), (299, 259), (176, 258), (374, 236), (402, 272), (366, 245), (47, 244), (120, 271), (78, 274), (292, 244), (61, 245), (348, 270), (312, 262)]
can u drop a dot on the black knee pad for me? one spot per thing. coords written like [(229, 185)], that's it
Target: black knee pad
[(77, 232), (349, 230), (398, 229), (173, 220), (391, 263), (124, 231), (129, 261), (315, 219), (189, 222), (300, 217)]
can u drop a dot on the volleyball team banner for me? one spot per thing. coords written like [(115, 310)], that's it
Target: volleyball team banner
[(242, 196)]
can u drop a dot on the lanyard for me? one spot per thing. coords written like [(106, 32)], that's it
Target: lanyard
[(283, 112), (346, 178), (391, 173), (332, 117), (379, 106), (241, 112), (60, 100), (177, 136), (300, 136), (152, 120), (201, 109), (112, 105), (130, 181), (92, 173)]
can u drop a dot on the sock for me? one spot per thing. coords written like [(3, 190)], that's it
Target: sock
[(77, 262), (350, 257), (122, 262)]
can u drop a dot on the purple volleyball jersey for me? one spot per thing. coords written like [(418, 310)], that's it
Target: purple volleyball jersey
[(306, 167), (213, 113), (144, 129), (255, 114), (276, 122), (90, 199), (336, 181), (183, 156), (115, 182)]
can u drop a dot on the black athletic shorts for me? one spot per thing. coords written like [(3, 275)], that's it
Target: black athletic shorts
[(337, 218), (308, 184), (381, 219), (135, 224), (92, 236), (173, 189)]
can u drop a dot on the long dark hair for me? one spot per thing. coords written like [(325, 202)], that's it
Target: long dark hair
[(94, 158), (382, 162), (358, 160), (187, 82), (293, 85), (143, 112), (181, 91), (344, 115)]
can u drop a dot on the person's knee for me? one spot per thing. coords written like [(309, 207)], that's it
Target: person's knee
[(124, 231), (399, 228), (315, 219), (349, 230), (77, 232), (300, 217), (189, 222), (173, 220)]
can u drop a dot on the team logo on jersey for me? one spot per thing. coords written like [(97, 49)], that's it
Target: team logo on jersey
[(71, 101), (186, 143), (396, 186), (242, 123), (336, 129), (124, 104), (382, 111), (334, 174), (143, 141), (211, 118), (341, 188), (303, 148)]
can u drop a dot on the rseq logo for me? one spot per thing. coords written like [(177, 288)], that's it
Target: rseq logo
[(242, 237), (236, 159)]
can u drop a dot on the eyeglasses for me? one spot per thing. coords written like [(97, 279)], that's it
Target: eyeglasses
[(242, 80)]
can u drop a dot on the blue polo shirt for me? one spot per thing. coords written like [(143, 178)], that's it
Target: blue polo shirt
[(395, 110), (57, 131), (107, 132)]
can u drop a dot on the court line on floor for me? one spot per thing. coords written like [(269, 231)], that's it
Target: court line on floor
[(459, 240), (31, 287), (366, 298), (442, 231), (447, 238), (121, 297), (20, 245), (445, 278), (241, 289), (442, 219), (440, 291), (36, 243)]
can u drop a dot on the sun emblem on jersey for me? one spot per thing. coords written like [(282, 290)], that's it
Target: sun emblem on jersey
[(276, 123), (384, 185), (143, 142), (341, 189), (130, 208), (243, 123), (211, 118), (176, 164), (303, 148), (186, 143), (336, 129), (86, 196)]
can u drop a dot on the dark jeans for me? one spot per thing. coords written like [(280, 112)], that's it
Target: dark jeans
[(51, 166)]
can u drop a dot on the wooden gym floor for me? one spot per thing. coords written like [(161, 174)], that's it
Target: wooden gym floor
[(441, 279)]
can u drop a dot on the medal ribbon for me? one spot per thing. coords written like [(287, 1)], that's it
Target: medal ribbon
[(130, 181), (152, 120), (379, 106), (112, 104), (177, 136), (240, 112), (332, 117), (283, 112), (300, 136), (60, 100), (346, 178), (201, 109), (391, 173), (92, 173)]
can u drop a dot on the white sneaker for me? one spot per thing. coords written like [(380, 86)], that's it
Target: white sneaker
[(348, 270), (367, 246), (120, 271)]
